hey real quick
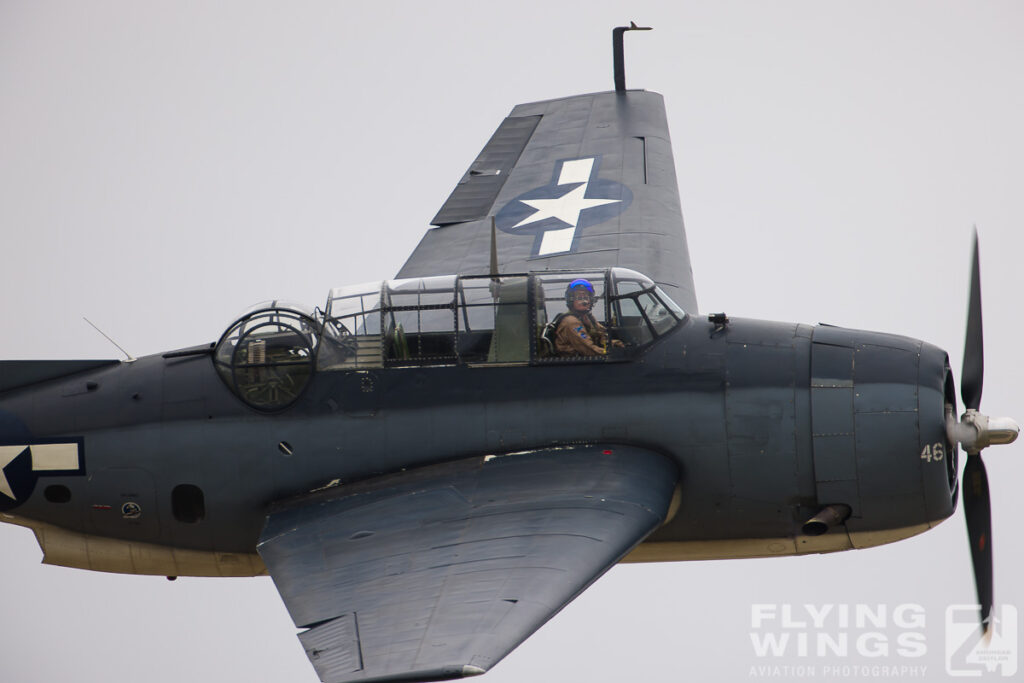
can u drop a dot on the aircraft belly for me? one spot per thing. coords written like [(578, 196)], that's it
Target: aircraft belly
[(64, 548), (744, 548)]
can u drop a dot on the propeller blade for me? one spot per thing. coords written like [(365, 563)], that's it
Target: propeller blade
[(971, 378), (979, 530)]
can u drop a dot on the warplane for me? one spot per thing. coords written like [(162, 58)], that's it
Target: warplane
[(399, 463)]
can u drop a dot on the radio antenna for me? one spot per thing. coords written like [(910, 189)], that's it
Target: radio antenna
[(131, 359), (618, 61)]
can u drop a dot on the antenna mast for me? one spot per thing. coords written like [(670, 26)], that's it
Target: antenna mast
[(617, 53), (131, 359)]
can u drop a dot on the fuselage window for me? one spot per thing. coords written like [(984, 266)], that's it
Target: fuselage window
[(188, 504), (632, 327), (351, 337), (419, 321), (571, 317), (266, 357), (643, 310), (678, 312), (57, 493), (549, 317), (657, 313), (493, 319)]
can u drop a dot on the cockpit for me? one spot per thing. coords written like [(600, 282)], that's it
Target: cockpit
[(269, 354)]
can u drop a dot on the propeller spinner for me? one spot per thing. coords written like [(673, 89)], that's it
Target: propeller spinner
[(975, 431)]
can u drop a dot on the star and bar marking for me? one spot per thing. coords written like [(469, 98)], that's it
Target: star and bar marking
[(46, 458), (558, 207)]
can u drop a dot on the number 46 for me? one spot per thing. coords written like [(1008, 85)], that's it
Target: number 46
[(935, 451)]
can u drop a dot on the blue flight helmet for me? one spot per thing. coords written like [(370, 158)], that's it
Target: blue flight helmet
[(575, 284)]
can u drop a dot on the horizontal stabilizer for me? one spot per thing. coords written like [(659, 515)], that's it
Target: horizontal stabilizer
[(15, 374)]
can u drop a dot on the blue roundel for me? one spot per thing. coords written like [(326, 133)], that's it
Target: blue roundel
[(23, 461), (556, 213), (17, 480)]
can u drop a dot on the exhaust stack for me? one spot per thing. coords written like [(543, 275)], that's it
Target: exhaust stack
[(828, 517)]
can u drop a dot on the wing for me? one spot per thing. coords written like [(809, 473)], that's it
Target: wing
[(581, 182), (440, 572)]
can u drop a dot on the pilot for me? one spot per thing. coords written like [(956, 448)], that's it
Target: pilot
[(578, 332)]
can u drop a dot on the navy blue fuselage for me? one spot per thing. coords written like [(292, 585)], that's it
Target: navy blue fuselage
[(767, 423)]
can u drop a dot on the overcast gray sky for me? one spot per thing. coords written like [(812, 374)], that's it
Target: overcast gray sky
[(165, 165)]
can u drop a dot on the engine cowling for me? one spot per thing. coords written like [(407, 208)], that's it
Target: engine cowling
[(878, 427)]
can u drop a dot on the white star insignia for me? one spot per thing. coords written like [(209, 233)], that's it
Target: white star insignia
[(45, 457), (566, 208), (7, 456)]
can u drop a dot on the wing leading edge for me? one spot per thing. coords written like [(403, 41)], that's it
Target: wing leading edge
[(440, 572), (579, 183)]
